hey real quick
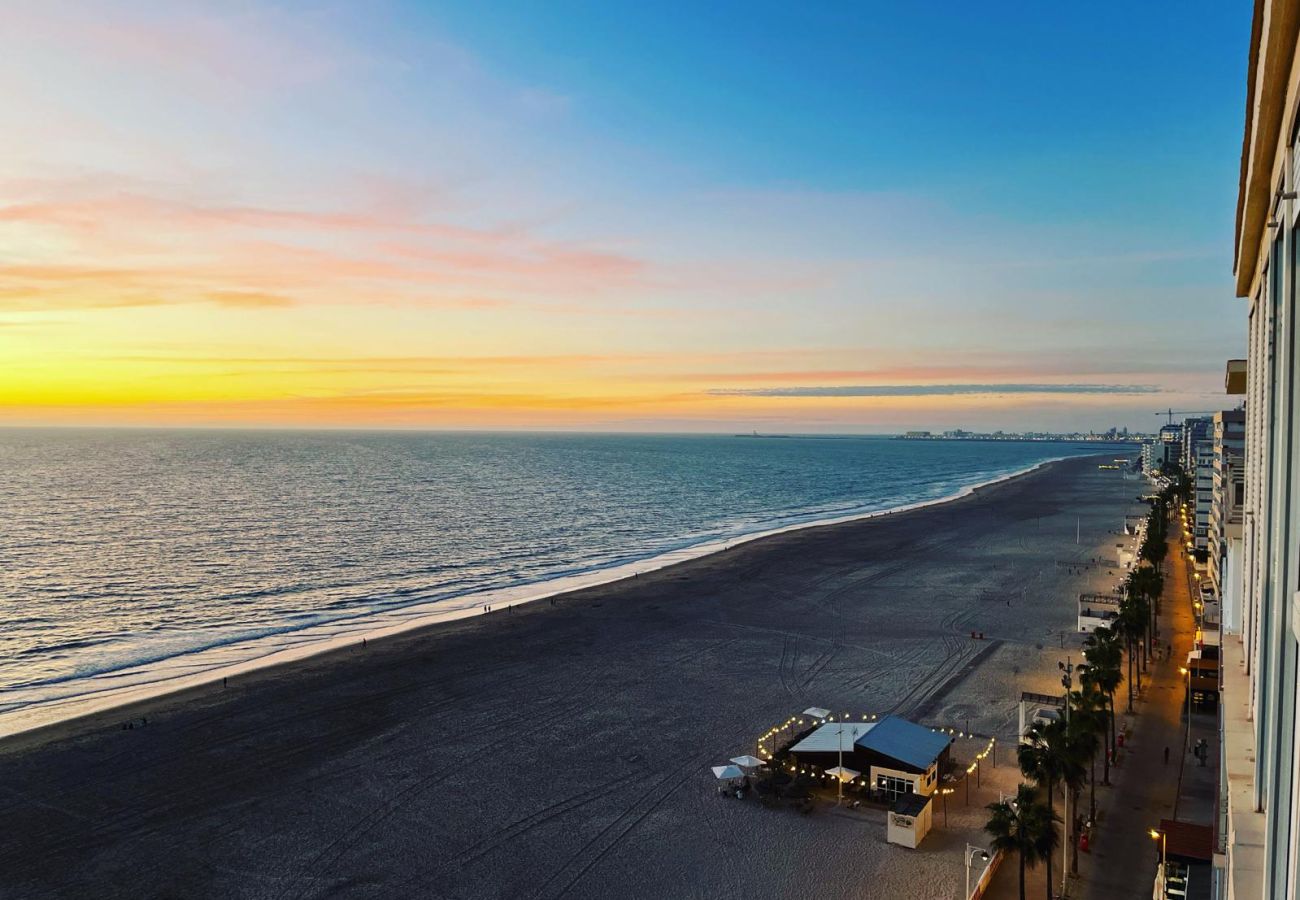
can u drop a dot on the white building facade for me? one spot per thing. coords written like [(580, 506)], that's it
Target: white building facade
[(1228, 496), (1202, 475), (1258, 834)]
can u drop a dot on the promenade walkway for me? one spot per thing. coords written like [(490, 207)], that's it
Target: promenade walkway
[(1144, 788)]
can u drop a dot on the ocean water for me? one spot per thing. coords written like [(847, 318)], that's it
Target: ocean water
[(127, 548)]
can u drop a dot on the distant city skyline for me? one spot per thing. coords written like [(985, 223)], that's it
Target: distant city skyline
[(408, 215)]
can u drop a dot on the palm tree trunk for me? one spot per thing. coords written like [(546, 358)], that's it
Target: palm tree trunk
[(1151, 624), (1108, 744), (1130, 676), (1074, 841), (1092, 788), (1112, 735), (1022, 876), (1051, 825), (1114, 724)]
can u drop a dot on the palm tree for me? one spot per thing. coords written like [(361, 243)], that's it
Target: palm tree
[(1141, 617), (1023, 826), (1089, 722), (1096, 702), (1150, 584), (1081, 744), (1129, 628), (1104, 669), (1042, 757), (1147, 581), (1154, 547)]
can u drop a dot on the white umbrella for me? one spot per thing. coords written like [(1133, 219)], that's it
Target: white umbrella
[(747, 762), (726, 773), (843, 776)]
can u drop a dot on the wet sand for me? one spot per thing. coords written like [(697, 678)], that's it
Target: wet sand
[(563, 750)]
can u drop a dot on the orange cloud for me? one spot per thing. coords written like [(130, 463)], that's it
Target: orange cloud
[(249, 299), (183, 252)]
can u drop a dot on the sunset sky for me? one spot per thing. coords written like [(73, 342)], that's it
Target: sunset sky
[(625, 216)]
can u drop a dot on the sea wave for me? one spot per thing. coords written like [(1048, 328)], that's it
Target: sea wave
[(197, 583)]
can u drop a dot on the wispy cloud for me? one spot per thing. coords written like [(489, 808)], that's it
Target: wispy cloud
[(245, 49), (134, 249), (932, 390), (250, 299)]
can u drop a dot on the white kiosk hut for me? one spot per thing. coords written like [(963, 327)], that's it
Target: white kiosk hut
[(1039, 709), (1098, 610), (909, 820)]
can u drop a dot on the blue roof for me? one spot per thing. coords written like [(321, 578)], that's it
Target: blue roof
[(904, 741)]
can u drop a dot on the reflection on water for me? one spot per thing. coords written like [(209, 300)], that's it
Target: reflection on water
[(118, 547)]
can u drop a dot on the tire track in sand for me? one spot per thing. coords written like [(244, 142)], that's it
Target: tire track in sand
[(636, 813)]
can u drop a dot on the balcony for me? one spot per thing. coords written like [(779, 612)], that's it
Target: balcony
[(1244, 838)]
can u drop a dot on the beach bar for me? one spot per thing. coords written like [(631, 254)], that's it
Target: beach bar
[(896, 756), (1098, 610)]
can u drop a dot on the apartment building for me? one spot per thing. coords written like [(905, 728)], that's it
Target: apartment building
[(1258, 857), (1228, 491)]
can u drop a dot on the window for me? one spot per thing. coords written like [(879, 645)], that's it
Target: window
[(894, 787)]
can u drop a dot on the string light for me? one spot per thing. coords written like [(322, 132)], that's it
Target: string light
[(771, 733)]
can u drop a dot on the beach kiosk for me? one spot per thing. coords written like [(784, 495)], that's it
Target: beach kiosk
[(1039, 709), (895, 756), (1097, 611), (903, 757), (832, 745), (909, 820)]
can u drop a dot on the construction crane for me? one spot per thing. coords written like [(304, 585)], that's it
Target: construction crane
[(1185, 412)]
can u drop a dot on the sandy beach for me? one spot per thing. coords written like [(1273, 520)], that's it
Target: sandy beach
[(562, 749)]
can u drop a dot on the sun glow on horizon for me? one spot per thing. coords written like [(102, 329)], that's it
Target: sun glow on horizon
[(308, 217)]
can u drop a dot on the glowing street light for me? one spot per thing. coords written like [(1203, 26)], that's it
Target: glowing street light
[(1187, 733), (1155, 836), (971, 853)]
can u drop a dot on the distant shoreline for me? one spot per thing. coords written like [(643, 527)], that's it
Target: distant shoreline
[(1011, 440)]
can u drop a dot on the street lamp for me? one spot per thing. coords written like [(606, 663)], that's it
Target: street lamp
[(1187, 734), (1155, 836), (971, 851), (1067, 682), (839, 778)]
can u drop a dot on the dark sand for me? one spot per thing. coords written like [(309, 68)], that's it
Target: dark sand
[(564, 750)]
